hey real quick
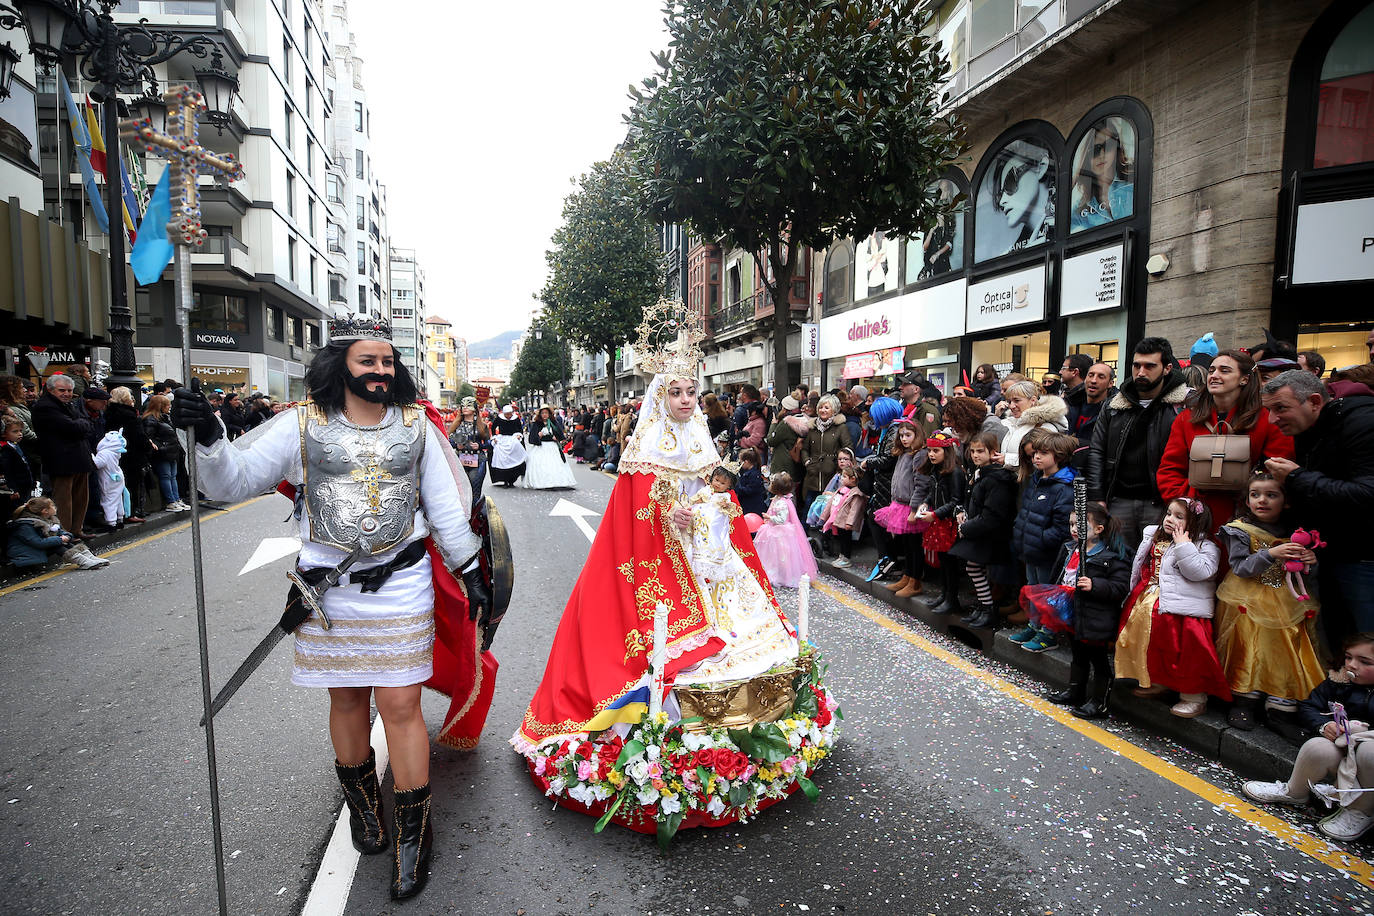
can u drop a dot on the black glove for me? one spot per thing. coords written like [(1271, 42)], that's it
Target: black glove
[(479, 597), (296, 612), (190, 410)]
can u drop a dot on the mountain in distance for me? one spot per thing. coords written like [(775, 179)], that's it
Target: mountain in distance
[(498, 346)]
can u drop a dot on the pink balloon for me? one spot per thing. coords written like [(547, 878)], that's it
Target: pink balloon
[(754, 521)]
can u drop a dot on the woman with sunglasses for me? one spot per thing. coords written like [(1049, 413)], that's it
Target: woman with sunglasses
[(1023, 182), (1102, 187)]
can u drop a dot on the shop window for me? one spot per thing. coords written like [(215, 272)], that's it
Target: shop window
[(1103, 177), (1016, 200), (941, 250), (274, 323), (839, 282), (1345, 123), (215, 312)]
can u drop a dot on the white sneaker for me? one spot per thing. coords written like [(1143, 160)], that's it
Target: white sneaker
[(1271, 793), (1346, 824), (89, 561), (842, 563), (179, 506)]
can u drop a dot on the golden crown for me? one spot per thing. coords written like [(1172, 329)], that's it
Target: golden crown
[(668, 340)]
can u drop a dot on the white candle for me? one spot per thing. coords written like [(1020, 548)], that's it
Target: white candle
[(657, 659), (803, 607)]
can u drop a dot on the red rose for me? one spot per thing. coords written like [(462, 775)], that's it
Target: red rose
[(705, 758), (584, 750)]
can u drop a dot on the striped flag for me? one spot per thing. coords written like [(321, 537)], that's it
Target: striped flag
[(100, 162), (81, 140)]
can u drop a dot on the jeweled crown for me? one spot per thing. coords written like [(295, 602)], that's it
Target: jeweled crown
[(359, 327), (668, 340)]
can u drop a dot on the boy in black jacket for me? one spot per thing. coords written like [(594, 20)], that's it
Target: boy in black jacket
[(750, 487)]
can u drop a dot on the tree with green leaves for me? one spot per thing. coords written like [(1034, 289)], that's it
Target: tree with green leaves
[(777, 124), (541, 362), (604, 266)]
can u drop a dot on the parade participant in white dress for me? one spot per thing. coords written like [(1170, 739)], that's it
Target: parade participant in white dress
[(374, 479), (546, 468), (508, 454)]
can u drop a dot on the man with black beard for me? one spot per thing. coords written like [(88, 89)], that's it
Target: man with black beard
[(1129, 437), (378, 495)]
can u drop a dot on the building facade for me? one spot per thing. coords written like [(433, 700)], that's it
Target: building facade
[(406, 309), (1128, 174)]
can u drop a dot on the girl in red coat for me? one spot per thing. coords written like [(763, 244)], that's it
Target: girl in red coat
[(1229, 404)]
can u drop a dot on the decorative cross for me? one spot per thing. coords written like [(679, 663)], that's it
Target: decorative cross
[(371, 478), (185, 157)]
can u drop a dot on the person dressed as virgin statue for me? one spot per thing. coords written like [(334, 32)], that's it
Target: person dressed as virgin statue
[(724, 623)]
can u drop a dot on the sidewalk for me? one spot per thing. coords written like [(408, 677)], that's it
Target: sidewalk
[(154, 521), (1258, 754)]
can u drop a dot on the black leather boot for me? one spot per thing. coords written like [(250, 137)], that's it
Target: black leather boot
[(986, 616), (1095, 707), (364, 804), (949, 601), (414, 843), (1076, 692)]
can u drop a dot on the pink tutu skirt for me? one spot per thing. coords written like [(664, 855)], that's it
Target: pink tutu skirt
[(782, 557), (893, 517)]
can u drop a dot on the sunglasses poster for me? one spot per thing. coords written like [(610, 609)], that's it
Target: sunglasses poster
[(1103, 175), (941, 249), (1015, 200)]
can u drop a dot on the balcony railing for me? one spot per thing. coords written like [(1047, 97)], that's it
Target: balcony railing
[(223, 250), (733, 316)]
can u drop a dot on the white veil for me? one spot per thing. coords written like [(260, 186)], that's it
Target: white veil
[(662, 443)]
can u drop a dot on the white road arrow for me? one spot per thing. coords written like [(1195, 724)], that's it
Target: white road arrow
[(269, 551), (578, 514)]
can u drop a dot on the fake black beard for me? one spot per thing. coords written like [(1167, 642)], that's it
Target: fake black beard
[(358, 385)]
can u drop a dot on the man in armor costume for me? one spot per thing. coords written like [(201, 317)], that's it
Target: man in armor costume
[(386, 528)]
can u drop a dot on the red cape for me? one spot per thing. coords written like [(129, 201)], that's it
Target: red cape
[(600, 651), (462, 672)]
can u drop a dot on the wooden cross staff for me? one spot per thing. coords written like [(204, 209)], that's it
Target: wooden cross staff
[(185, 157)]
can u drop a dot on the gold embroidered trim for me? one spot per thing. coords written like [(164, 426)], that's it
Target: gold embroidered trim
[(324, 640), (404, 661), (479, 675), (381, 623)]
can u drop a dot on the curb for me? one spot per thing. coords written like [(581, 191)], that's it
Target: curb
[(1257, 754), (153, 521)]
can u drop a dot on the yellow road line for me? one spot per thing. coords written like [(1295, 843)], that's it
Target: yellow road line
[(53, 574), (1306, 843)]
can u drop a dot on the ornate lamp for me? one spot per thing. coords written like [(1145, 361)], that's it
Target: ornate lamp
[(47, 21), (8, 58), (218, 86)]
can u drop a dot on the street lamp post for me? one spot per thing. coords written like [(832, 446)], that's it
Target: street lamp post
[(114, 58)]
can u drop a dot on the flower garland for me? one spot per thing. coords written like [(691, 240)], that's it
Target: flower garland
[(722, 775)]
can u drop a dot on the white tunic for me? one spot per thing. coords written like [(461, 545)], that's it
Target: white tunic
[(381, 639)]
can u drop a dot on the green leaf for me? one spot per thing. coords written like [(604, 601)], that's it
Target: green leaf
[(610, 812), (631, 750), (704, 775), (739, 795), (770, 744), (667, 828), (808, 787), (743, 740), (806, 703)]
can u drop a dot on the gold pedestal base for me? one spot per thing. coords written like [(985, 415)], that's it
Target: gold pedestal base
[(740, 704)]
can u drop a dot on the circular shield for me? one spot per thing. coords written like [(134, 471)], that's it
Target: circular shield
[(502, 564)]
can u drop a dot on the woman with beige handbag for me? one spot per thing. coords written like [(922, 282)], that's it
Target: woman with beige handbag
[(1222, 435)]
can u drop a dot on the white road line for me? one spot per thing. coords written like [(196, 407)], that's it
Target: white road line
[(329, 892)]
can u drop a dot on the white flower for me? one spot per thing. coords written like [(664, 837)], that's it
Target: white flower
[(557, 785), (601, 791), (670, 804), (582, 793), (652, 752), (646, 795), (794, 739), (694, 742), (715, 807), (638, 770)]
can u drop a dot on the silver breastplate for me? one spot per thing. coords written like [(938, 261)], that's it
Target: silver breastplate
[(362, 480)]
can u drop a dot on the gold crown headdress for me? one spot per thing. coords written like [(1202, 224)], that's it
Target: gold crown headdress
[(668, 340)]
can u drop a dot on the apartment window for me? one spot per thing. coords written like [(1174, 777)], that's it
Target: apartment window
[(369, 122), (310, 213), (358, 116), (358, 169), (361, 221), (329, 97), (309, 157), (839, 277), (305, 34), (286, 52), (274, 322), (362, 292), (309, 99), (215, 312), (334, 188), (291, 259), (362, 258), (312, 336), (290, 194), (314, 265), (290, 134), (297, 332), (334, 235), (336, 288)]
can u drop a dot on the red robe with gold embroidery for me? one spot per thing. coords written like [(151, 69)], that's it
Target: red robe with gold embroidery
[(600, 652)]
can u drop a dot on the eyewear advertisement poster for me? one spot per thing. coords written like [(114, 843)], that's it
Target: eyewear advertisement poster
[(1015, 200), (1092, 281), (1011, 299), (1103, 175)]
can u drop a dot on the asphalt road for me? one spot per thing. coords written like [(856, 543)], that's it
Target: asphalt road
[(947, 793)]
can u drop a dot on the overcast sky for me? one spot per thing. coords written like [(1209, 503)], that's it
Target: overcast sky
[(510, 100)]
